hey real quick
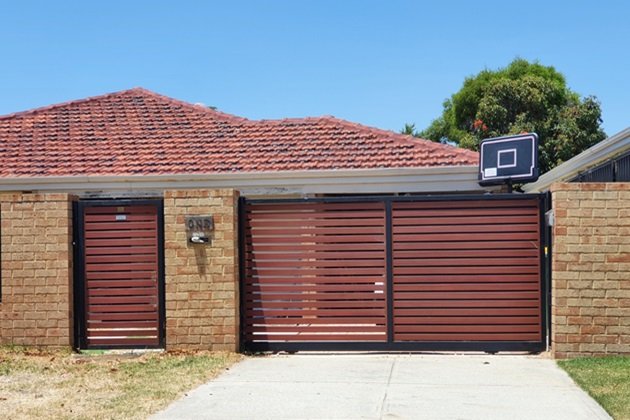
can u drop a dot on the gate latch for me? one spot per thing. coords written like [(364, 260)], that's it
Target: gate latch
[(549, 218)]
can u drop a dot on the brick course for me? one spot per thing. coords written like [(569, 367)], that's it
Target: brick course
[(202, 292), (36, 239), (591, 269)]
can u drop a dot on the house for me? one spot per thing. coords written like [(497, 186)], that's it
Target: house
[(137, 141)]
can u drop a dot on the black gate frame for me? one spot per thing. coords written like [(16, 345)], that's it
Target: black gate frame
[(78, 243), (544, 204)]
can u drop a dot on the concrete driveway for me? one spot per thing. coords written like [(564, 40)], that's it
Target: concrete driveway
[(374, 386)]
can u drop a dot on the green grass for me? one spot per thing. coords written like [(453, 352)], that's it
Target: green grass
[(93, 352), (37, 383), (606, 379)]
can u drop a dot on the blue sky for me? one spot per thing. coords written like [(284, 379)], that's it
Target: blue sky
[(380, 63)]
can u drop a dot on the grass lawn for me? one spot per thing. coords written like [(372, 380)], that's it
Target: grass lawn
[(607, 379), (58, 384)]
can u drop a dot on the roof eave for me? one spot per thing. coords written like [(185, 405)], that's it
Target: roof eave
[(593, 156), (380, 180)]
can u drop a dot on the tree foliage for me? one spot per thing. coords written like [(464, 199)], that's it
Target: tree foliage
[(522, 97), (410, 130)]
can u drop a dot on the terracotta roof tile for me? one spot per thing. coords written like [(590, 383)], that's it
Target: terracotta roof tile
[(140, 132)]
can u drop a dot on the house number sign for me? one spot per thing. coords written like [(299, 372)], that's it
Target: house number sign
[(199, 229)]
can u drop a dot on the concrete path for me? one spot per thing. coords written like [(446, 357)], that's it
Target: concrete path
[(373, 386)]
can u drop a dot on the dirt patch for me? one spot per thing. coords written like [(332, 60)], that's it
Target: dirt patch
[(57, 384)]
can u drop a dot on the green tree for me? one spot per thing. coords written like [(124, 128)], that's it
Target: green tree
[(522, 97), (410, 130)]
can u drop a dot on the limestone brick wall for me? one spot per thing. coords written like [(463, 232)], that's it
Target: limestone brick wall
[(202, 290), (591, 269), (36, 260)]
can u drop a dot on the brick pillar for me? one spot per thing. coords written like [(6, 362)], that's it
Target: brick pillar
[(591, 269), (36, 280), (202, 289)]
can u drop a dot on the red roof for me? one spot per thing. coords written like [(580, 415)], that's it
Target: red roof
[(137, 132)]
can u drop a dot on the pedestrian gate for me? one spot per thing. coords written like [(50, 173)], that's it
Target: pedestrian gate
[(394, 273), (119, 274)]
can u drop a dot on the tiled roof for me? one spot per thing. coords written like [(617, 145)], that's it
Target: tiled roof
[(136, 132)]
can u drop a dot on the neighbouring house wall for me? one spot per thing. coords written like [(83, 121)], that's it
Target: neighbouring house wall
[(591, 269), (36, 261), (202, 288)]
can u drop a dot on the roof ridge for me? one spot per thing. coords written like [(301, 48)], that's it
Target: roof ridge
[(286, 119), (398, 137), (195, 107), (136, 89), (66, 103)]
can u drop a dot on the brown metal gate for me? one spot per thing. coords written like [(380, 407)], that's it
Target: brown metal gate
[(315, 272), (394, 273), (119, 283), (467, 271)]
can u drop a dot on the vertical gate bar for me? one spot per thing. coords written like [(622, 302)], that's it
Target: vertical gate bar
[(242, 214), (546, 263), (78, 274), (390, 271), (543, 268), (83, 285), (161, 274)]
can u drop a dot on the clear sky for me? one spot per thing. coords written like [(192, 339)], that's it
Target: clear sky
[(380, 63)]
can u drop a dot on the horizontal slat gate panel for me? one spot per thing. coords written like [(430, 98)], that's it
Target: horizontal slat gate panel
[(310, 313), (299, 336), (466, 270), (314, 272), (481, 206), (502, 312), (122, 316), (121, 275), (460, 245), (117, 341)]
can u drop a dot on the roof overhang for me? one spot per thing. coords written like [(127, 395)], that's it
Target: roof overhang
[(593, 156), (354, 181)]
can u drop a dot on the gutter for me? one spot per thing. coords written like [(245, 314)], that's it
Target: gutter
[(383, 180)]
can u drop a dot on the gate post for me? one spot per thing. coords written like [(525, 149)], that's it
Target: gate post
[(202, 290), (389, 281)]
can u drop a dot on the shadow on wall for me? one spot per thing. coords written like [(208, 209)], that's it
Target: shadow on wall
[(201, 257)]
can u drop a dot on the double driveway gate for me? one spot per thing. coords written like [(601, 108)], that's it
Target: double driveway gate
[(393, 273)]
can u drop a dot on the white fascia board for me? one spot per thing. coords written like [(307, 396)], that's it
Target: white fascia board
[(609, 148), (382, 180)]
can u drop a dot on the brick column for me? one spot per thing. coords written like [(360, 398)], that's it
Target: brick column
[(202, 289), (591, 269), (36, 239)]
